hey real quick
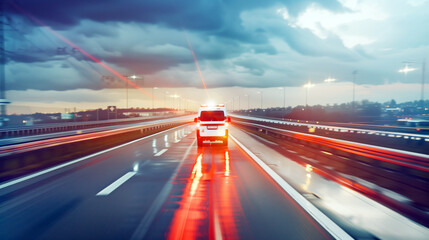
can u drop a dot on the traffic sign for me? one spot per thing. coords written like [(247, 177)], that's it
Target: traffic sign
[(67, 115), (111, 108)]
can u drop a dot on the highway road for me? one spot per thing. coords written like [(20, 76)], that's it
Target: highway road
[(163, 187), (157, 187)]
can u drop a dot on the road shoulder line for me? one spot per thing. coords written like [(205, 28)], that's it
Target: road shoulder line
[(322, 219), (36, 174)]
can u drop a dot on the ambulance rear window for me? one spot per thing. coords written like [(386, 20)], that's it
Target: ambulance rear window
[(212, 116)]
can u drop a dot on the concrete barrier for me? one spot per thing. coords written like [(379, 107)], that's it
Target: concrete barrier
[(60, 127), (25, 161)]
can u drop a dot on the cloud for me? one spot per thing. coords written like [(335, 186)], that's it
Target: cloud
[(272, 22), (196, 15), (237, 43), (48, 76)]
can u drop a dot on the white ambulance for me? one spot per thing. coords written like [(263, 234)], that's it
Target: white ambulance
[(212, 124)]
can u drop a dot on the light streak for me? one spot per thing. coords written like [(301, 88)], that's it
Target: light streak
[(227, 169), (196, 64)]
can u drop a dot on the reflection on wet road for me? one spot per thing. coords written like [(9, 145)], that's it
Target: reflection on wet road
[(220, 193), (158, 187), (209, 205)]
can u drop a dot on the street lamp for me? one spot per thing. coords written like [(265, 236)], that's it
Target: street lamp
[(248, 106), (165, 98), (284, 96), (407, 69), (233, 104), (354, 84), (262, 95), (175, 96), (153, 96), (329, 80), (228, 105), (133, 77), (307, 86)]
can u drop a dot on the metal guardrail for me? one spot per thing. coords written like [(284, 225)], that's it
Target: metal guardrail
[(403, 158), (362, 129), (70, 126), (24, 158), (356, 164), (396, 140), (30, 146)]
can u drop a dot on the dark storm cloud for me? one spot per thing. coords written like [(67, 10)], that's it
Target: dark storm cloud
[(306, 43), (147, 64), (214, 15), (216, 29), (252, 66), (215, 18)]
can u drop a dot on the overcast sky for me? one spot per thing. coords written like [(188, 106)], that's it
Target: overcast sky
[(243, 47)]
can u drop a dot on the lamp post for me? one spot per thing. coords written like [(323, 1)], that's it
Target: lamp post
[(354, 84), (153, 97), (423, 82), (408, 69), (175, 96), (227, 104), (284, 95), (248, 106), (133, 77), (307, 86), (329, 80), (262, 96), (165, 99), (233, 104)]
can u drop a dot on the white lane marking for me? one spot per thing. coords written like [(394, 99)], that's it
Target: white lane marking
[(109, 189), (144, 225), (218, 231), (161, 152), (321, 218), (22, 179)]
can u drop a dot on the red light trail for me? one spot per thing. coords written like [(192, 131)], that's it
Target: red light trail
[(209, 197), (196, 64)]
